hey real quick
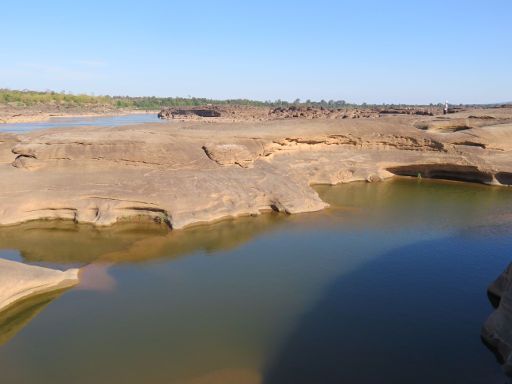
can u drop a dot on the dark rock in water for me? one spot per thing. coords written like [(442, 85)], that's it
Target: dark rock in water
[(172, 113), (497, 330)]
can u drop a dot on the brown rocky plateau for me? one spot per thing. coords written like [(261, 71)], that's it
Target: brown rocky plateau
[(186, 172)]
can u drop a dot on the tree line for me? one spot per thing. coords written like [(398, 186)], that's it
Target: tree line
[(30, 98)]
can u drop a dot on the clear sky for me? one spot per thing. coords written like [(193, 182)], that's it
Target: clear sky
[(360, 51)]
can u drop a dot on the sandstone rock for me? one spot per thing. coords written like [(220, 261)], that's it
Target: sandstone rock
[(190, 172), (20, 282), (243, 153), (497, 330), (7, 142), (171, 113)]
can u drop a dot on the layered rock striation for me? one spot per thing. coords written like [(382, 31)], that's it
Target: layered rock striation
[(182, 173)]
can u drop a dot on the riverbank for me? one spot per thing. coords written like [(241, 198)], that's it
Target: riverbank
[(13, 115), (191, 172), (270, 287)]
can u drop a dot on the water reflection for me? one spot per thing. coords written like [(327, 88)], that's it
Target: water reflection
[(64, 243), (391, 277), (386, 205), (13, 319), (402, 201), (61, 244)]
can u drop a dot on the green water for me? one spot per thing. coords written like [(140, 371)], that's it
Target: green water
[(386, 286)]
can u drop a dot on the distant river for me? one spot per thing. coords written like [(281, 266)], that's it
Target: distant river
[(386, 286), (73, 122)]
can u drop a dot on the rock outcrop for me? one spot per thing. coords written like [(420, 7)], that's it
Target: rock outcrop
[(172, 113), (497, 330), (20, 282), (188, 172), (294, 112), (239, 113)]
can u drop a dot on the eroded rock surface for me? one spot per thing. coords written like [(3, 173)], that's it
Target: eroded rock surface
[(233, 112), (497, 330), (20, 282), (172, 113), (187, 172)]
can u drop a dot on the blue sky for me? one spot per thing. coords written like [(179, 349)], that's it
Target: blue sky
[(360, 51)]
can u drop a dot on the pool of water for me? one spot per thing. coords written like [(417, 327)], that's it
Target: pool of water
[(82, 121), (386, 286)]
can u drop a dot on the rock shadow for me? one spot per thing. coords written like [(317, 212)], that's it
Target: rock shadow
[(411, 316)]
